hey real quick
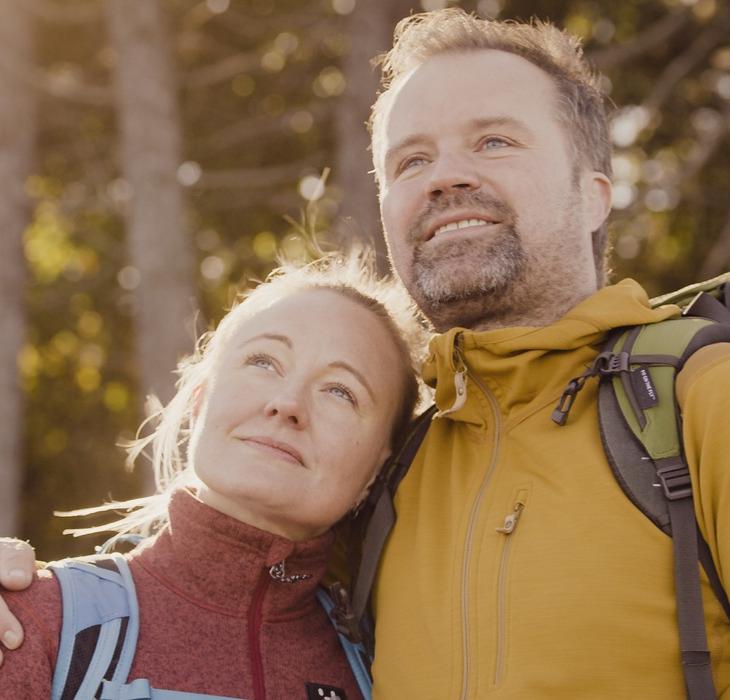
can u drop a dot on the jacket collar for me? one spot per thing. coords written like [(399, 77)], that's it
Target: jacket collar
[(521, 365)]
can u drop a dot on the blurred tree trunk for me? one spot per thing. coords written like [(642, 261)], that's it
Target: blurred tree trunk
[(370, 28), (159, 244), (18, 110)]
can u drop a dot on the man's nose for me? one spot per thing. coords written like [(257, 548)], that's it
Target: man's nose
[(452, 172), (288, 406)]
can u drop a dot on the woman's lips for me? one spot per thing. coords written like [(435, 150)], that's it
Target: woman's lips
[(275, 447)]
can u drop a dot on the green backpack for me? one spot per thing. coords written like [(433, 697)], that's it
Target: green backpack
[(640, 426)]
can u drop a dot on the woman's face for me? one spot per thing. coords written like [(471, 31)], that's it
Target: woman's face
[(295, 420)]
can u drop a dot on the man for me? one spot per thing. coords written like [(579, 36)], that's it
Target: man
[(518, 568)]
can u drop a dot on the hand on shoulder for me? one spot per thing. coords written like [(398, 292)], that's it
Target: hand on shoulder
[(17, 564)]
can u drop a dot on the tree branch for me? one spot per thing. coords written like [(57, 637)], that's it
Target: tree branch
[(94, 95), (222, 70), (656, 34), (257, 127), (718, 257), (67, 14), (715, 32), (248, 178)]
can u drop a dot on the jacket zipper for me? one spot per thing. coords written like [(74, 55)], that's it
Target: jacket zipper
[(473, 518), (255, 618), (508, 528)]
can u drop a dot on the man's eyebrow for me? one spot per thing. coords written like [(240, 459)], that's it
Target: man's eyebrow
[(500, 121), (480, 123), (404, 144), (357, 374), (270, 336)]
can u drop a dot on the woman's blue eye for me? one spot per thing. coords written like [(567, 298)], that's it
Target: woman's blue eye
[(341, 391), (260, 360)]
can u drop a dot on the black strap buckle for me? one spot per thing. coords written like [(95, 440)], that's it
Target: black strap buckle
[(608, 363), (675, 480)]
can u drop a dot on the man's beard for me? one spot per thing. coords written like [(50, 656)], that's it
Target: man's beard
[(485, 269)]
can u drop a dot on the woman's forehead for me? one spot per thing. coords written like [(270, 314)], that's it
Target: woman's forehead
[(317, 317)]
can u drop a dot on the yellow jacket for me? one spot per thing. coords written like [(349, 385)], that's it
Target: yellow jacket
[(517, 567)]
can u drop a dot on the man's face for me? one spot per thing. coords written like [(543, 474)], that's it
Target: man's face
[(487, 216)]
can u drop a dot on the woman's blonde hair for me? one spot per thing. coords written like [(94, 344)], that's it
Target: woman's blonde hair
[(351, 275)]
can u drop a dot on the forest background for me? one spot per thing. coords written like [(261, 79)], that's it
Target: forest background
[(155, 154)]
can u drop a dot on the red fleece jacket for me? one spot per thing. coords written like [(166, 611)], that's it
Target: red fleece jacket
[(212, 619)]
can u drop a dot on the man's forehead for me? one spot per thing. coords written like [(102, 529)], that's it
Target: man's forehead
[(484, 76), (460, 88)]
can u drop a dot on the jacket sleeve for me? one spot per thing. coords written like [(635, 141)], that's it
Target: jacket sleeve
[(27, 672), (703, 390)]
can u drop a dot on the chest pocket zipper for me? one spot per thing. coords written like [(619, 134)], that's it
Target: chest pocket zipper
[(508, 529)]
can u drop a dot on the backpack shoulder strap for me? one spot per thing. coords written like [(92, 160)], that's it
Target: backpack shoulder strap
[(355, 652), (99, 634), (99, 626), (640, 427), (382, 519)]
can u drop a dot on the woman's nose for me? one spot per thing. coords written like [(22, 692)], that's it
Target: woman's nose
[(287, 406)]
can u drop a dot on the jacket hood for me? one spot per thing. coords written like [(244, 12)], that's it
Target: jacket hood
[(531, 358)]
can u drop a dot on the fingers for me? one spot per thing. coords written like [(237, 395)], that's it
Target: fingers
[(11, 633), (17, 564)]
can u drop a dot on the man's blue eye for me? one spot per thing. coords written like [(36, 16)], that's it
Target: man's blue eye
[(411, 162), (494, 142)]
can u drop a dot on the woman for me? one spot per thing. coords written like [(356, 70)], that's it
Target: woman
[(290, 408)]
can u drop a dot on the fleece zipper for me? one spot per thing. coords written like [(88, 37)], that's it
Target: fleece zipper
[(255, 619)]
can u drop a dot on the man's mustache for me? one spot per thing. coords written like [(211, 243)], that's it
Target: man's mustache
[(491, 206)]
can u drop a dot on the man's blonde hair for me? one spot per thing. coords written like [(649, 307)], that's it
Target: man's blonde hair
[(581, 106)]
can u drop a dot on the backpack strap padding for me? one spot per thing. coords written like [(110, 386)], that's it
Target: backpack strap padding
[(633, 470), (126, 657), (141, 689), (355, 653), (707, 306), (690, 613), (96, 598), (660, 434), (382, 522)]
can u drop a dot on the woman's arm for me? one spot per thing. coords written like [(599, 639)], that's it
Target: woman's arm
[(17, 564)]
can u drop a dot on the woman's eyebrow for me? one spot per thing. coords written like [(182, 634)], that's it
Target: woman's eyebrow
[(357, 374), (269, 336)]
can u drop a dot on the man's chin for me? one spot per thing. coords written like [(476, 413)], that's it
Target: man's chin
[(463, 307)]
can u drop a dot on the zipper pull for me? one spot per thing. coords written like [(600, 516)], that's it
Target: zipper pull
[(459, 382), (278, 573), (511, 520)]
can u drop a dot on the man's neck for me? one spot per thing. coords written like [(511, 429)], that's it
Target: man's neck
[(471, 314)]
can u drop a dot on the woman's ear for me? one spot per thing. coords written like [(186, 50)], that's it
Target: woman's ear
[(384, 457)]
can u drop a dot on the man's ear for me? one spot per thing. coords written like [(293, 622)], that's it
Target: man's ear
[(598, 195)]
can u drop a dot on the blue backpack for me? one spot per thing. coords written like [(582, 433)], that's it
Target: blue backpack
[(99, 636)]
